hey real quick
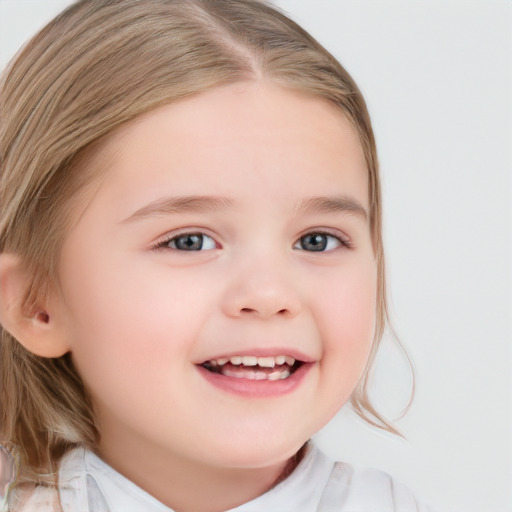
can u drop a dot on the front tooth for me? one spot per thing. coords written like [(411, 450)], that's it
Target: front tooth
[(249, 361), (236, 360), (267, 362), (221, 361), (280, 360), (290, 361)]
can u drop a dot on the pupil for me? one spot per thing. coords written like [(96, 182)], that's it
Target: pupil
[(314, 242), (190, 242)]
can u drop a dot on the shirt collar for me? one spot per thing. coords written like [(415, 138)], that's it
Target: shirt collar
[(87, 484)]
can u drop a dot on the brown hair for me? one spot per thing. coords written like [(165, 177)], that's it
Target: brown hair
[(99, 64)]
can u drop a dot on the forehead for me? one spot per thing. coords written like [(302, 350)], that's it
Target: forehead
[(234, 141)]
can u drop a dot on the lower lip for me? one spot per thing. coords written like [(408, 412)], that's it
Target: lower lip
[(257, 388)]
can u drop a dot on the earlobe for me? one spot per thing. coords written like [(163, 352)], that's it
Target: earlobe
[(38, 328)]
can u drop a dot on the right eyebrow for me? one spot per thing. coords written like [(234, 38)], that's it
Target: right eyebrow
[(179, 204)]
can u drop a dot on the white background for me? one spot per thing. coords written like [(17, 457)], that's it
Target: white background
[(437, 76)]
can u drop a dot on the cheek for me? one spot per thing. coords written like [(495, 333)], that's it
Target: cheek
[(345, 316), (348, 313), (132, 315), (124, 321)]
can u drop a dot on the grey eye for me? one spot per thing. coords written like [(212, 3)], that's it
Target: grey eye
[(318, 242), (191, 242)]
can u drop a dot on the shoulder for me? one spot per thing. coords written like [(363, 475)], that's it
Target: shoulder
[(359, 489)]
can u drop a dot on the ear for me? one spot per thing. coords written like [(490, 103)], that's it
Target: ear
[(39, 329)]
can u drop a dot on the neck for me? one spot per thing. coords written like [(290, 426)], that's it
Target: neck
[(196, 487)]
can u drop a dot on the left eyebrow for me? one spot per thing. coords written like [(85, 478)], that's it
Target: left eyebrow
[(332, 204), (173, 205)]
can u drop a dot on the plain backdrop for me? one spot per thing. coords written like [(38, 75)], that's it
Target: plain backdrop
[(437, 76)]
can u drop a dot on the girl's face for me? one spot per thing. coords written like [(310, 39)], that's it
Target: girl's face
[(230, 226)]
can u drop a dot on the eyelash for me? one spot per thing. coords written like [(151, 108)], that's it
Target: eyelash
[(165, 243), (341, 240)]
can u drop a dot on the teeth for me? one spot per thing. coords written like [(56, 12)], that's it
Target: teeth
[(264, 362), (278, 375), (290, 361), (250, 375)]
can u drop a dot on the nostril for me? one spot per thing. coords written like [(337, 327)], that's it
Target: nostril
[(251, 310)]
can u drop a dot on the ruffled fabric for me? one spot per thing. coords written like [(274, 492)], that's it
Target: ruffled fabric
[(34, 499)]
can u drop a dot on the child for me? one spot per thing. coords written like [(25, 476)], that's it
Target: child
[(191, 264)]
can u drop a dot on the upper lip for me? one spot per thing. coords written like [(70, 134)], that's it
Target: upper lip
[(263, 352)]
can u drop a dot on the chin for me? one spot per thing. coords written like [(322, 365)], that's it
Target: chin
[(259, 454)]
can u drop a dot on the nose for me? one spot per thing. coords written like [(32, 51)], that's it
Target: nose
[(262, 290)]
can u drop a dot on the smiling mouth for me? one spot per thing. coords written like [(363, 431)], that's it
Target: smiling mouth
[(254, 368)]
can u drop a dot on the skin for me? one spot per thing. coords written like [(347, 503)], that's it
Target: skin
[(140, 318)]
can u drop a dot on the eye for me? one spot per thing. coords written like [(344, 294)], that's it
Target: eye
[(188, 242), (319, 242)]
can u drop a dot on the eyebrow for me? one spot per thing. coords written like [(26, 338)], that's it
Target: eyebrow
[(172, 205), (332, 204), (205, 204)]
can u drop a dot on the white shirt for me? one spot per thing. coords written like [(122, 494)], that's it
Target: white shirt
[(318, 484)]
